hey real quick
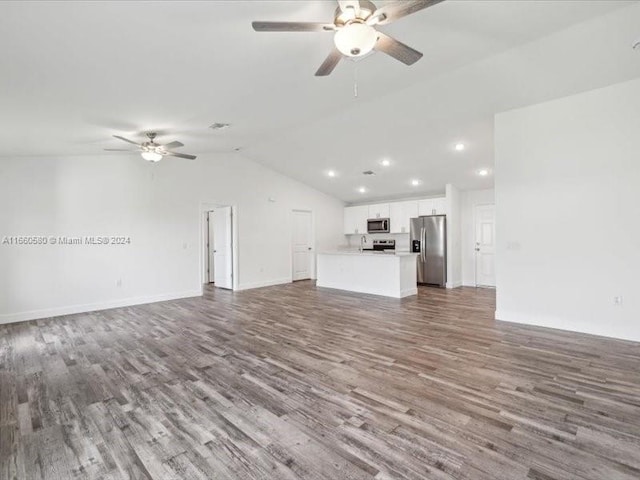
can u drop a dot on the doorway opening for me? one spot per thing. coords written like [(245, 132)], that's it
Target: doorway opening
[(219, 240), (302, 257), (485, 245)]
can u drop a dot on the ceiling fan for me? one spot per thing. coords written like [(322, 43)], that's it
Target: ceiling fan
[(354, 30), (152, 151)]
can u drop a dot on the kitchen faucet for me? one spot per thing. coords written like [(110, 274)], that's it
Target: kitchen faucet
[(363, 240)]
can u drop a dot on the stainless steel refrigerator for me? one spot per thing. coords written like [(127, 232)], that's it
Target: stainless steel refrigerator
[(429, 239)]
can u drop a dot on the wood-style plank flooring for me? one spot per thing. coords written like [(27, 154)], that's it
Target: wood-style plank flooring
[(295, 382)]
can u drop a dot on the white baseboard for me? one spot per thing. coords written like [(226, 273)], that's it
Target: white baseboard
[(92, 307), (268, 283), (555, 323), (453, 284), (408, 292), (473, 285)]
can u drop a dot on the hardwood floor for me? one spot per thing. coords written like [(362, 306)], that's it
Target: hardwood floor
[(294, 382)]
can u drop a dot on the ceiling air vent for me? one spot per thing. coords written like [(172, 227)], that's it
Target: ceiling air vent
[(368, 172), (219, 126)]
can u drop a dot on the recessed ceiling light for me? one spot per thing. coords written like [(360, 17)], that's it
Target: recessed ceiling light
[(459, 147), (362, 190), (331, 173), (483, 172), (219, 126), (386, 162), (415, 182)]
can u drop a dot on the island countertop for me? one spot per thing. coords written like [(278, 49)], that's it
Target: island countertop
[(368, 252), (388, 274)]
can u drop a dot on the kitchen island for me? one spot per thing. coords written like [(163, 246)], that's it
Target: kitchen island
[(388, 274)]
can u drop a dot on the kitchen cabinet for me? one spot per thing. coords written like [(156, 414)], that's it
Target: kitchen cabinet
[(432, 206), (440, 206), (355, 220), (400, 214), (380, 210), (391, 275)]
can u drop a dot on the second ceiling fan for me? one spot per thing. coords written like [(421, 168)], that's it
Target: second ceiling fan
[(354, 30), (152, 151)]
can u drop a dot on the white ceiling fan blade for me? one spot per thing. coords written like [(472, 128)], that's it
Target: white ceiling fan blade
[(119, 150), (181, 155), (292, 27), (395, 11), (329, 64), (126, 140), (396, 49), (174, 144)]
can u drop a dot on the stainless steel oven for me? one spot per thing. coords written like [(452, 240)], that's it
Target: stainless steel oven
[(378, 225)]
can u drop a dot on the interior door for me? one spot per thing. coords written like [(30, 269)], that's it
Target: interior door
[(302, 242), (222, 247), (485, 245), (210, 249)]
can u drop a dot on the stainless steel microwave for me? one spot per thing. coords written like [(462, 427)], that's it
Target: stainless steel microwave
[(378, 225)]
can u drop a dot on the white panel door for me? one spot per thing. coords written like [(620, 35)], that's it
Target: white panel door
[(485, 245), (211, 265), (302, 242), (222, 247)]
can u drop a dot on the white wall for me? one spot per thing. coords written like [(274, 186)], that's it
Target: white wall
[(568, 210), (469, 200), (159, 207), (454, 263)]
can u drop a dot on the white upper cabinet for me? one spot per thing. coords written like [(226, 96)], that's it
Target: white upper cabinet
[(426, 207), (401, 214), (380, 210), (432, 206), (355, 220), (440, 206)]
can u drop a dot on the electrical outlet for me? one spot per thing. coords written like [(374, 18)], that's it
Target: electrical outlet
[(513, 246), (617, 301), (119, 282)]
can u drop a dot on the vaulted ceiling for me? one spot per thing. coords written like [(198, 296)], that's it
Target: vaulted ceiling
[(75, 73)]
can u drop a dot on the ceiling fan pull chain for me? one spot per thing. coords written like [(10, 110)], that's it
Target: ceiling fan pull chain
[(355, 80)]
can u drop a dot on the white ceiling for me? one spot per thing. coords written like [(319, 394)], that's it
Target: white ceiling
[(74, 73)]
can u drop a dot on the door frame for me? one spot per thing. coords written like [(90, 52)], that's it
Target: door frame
[(475, 241), (312, 258), (207, 264), (205, 208)]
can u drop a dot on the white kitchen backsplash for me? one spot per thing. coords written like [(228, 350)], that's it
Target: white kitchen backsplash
[(402, 240)]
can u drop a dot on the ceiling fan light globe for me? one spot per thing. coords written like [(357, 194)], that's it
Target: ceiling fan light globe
[(151, 156), (355, 39)]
